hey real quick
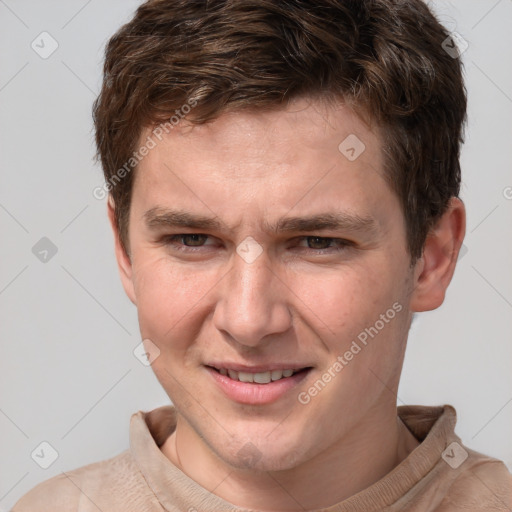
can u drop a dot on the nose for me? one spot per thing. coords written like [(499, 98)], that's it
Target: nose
[(252, 302)]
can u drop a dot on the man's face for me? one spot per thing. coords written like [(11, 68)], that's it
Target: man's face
[(256, 290)]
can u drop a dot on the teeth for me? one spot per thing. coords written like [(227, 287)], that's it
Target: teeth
[(262, 378), (246, 377), (259, 377), (277, 374)]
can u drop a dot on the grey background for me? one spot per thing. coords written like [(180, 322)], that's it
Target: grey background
[(68, 375)]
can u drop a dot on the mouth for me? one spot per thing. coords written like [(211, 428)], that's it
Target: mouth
[(259, 377), (257, 385)]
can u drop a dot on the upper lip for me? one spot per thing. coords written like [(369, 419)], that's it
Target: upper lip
[(258, 368)]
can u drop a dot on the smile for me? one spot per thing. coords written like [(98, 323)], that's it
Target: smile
[(258, 377), (257, 387)]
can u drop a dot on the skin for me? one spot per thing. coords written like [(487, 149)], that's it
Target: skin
[(304, 299)]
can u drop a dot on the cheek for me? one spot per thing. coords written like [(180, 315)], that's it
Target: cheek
[(360, 317), (168, 298), (341, 302)]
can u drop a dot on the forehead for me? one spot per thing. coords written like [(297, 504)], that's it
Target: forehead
[(237, 141), (303, 157)]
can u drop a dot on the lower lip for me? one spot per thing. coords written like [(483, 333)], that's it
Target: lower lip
[(257, 394)]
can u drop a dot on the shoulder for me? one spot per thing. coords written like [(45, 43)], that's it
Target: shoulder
[(485, 484), (57, 493), (66, 491)]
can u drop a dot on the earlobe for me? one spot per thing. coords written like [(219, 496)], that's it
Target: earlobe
[(123, 260), (434, 271)]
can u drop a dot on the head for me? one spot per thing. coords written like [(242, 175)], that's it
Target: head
[(309, 151)]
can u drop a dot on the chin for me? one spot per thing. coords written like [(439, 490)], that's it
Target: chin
[(264, 456)]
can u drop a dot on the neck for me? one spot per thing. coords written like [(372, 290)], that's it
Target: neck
[(362, 457)]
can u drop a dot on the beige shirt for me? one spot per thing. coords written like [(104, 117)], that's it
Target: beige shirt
[(436, 476)]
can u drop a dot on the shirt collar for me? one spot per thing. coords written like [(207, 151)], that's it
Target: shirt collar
[(432, 426)]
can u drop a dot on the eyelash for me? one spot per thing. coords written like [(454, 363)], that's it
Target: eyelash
[(343, 244)]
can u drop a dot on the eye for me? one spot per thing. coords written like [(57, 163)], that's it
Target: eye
[(186, 240), (193, 239), (321, 243), (192, 242)]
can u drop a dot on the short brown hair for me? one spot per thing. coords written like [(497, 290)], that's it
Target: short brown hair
[(385, 58)]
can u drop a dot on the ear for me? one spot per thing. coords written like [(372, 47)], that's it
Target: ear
[(123, 260), (434, 270)]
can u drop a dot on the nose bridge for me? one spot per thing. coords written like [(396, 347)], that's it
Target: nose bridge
[(253, 286), (250, 306)]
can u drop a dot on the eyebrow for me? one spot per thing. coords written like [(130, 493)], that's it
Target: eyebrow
[(158, 217)]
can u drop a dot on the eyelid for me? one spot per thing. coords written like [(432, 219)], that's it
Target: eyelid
[(170, 238), (339, 244), (336, 244), (331, 238)]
